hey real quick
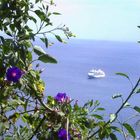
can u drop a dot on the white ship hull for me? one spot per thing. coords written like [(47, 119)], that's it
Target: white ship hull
[(96, 73)]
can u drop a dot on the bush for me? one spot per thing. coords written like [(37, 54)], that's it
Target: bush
[(25, 111)]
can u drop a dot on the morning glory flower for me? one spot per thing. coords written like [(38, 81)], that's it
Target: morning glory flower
[(62, 97), (62, 134), (13, 74)]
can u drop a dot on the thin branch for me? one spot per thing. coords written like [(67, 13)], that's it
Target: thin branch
[(40, 28), (33, 110), (131, 83), (123, 132), (49, 31), (37, 128), (41, 102), (44, 105), (67, 128), (131, 93), (117, 112)]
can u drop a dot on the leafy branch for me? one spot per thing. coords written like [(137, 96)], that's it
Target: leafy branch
[(118, 111)]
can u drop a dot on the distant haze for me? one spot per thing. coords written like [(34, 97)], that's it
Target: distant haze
[(101, 19)]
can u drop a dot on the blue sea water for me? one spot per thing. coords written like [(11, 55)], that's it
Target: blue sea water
[(76, 58)]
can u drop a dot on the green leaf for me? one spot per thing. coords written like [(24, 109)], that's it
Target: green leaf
[(45, 40), (33, 73), (33, 19), (37, 1), (60, 113), (129, 129), (41, 15), (51, 2), (49, 14), (91, 103), (56, 13), (127, 104), (12, 27), (2, 39), (113, 136), (8, 33), (116, 129), (97, 116), (138, 90), (123, 74), (112, 117), (100, 109), (58, 38), (137, 109), (96, 103), (8, 137), (116, 96), (24, 119), (47, 59), (38, 50)]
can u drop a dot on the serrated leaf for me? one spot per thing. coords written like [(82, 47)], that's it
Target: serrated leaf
[(112, 117), (38, 50), (47, 59), (129, 129), (58, 38), (122, 74), (113, 136), (137, 109)]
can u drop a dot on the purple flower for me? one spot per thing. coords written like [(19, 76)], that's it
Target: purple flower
[(13, 74), (79, 136), (62, 134), (61, 97)]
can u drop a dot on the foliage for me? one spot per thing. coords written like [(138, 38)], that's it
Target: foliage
[(25, 111)]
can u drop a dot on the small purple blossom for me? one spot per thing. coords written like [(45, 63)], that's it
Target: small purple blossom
[(13, 74), (79, 136), (62, 134), (62, 97)]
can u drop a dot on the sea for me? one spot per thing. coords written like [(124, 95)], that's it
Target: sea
[(78, 57)]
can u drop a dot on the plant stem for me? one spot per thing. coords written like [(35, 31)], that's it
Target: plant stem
[(123, 132), (45, 106), (37, 128), (67, 127)]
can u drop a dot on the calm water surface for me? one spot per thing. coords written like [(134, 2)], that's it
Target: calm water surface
[(79, 56)]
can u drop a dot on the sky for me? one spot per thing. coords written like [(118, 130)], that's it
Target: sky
[(101, 19)]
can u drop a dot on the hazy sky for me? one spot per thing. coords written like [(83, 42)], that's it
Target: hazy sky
[(101, 19)]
